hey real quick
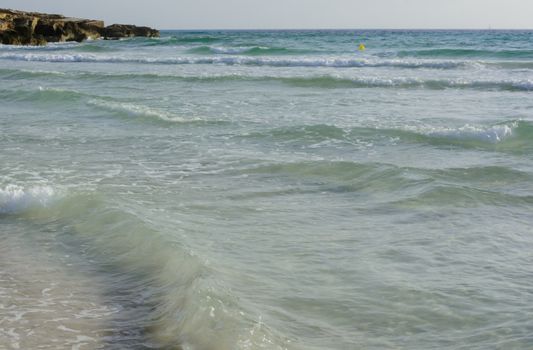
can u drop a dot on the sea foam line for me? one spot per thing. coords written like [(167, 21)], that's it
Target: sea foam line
[(137, 110), (322, 81), (50, 46), (493, 134), (337, 62), (404, 82)]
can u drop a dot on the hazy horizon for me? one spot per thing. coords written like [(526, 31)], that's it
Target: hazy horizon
[(298, 14)]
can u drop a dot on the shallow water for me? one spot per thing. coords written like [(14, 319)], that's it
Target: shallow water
[(268, 190)]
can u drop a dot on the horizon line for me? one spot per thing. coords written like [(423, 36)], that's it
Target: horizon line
[(334, 28)]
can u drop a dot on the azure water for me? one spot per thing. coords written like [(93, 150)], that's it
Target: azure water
[(268, 190)]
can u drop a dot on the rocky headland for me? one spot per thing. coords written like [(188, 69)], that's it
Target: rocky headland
[(33, 28)]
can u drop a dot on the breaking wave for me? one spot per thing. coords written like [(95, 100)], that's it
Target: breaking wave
[(15, 199), (243, 60), (402, 82), (491, 134), (316, 81), (137, 110), (510, 137)]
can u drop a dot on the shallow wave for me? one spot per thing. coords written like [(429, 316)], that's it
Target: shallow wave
[(310, 134), (168, 41), (333, 171), (161, 293), (186, 39), (402, 186), (525, 65), (147, 113), (136, 110), (29, 73), (86, 46), (51, 96), (491, 175), (43, 95), (368, 180), (513, 136), (461, 196), (317, 81), (339, 82), (246, 50), (94, 48), (510, 137), (391, 187), (15, 199), (466, 53), (243, 60), (493, 134), (50, 46)]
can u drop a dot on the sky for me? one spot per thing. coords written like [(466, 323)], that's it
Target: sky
[(295, 14)]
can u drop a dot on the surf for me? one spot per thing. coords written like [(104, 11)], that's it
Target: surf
[(247, 61), (156, 288)]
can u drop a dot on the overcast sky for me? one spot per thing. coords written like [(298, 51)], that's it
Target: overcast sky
[(266, 14)]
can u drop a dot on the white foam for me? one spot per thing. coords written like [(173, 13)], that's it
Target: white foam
[(493, 134), (137, 110), (526, 85), (243, 60), (15, 199), (49, 46), (521, 85), (49, 57), (230, 50)]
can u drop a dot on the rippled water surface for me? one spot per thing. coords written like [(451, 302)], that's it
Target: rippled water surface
[(268, 190)]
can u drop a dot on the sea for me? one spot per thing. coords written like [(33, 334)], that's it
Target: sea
[(233, 190)]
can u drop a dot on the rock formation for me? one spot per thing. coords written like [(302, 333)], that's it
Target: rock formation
[(116, 31), (32, 28)]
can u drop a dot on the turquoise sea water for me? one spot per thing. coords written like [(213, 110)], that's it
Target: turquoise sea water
[(268, 190)]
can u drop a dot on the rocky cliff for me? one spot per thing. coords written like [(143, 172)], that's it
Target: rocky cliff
[(32, 28)]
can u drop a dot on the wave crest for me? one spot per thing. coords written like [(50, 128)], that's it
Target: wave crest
[(336, 62), (493, 134), (508, 137), (16, 199), (468, 53), (137, 110), (246, 50)]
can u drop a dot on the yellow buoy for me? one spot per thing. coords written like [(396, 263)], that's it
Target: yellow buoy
[(362, 47)]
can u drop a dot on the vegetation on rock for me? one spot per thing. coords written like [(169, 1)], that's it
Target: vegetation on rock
[(32, 28)]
